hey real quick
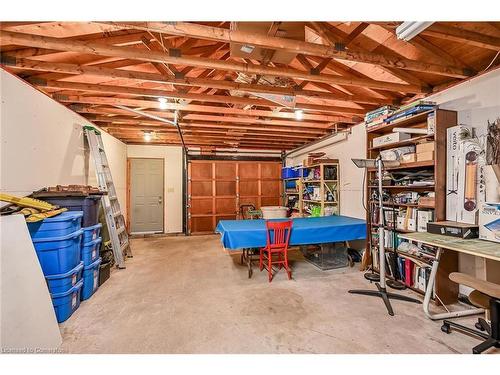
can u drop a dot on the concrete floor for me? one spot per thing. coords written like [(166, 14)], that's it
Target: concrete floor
[(188, 295)]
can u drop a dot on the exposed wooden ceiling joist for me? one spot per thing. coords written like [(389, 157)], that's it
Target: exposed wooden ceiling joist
[(171, 58), (265, 41), (27, 64)]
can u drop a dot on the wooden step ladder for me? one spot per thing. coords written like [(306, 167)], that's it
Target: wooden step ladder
[(110, 204)]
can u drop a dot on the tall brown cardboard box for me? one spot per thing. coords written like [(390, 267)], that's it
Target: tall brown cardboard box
[(425, 156), (425, 147)]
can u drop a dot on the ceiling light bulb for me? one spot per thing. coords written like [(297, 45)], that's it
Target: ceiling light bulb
[(163, 103), (148, 136), (299, 114)]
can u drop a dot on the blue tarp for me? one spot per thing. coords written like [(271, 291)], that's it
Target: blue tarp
[(240, 234)]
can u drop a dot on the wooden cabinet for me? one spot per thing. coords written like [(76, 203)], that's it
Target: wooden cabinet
[(217, 188)]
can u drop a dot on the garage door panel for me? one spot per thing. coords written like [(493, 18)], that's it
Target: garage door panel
[(249, 188), (270, 188), (202, 224), (248, 170), (225, 171), (201, 188), (225, 205), (202, 206), (270, 170), (218, 188), (225, 188), (201, 171)]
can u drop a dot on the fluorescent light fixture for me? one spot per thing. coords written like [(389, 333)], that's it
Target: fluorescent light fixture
[(163, 103), (299, 114), (148, 136), (410, 29)]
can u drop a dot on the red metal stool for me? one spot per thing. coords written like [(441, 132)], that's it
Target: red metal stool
[(278, 236)]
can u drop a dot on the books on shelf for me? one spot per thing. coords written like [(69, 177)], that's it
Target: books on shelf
[(413, 273)]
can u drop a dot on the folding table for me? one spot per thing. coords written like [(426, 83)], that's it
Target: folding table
[(250, 234)]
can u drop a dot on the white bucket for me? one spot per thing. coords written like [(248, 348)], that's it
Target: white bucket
[(273, 212)]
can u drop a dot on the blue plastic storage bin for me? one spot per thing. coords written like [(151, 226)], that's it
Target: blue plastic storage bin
[(57, 226), (64, 281), (91, 233), (58, 254), (289, 172), (88, 204), (90, 279), (90, 251), (67, 302)]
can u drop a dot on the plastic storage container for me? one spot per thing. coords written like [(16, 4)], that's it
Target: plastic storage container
[(91, 233), (64, 281), (90, 279), (58, 254), (273, 212), (289, 172), (90, 251), (57, 226), (67, 302), (89, 205)]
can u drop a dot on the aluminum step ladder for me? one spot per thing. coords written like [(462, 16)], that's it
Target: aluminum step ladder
[(110, 204)]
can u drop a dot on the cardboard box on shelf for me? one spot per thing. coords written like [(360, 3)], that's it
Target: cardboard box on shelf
[(425, 147), (425, 156), (390, 138), (408, 158), (489, 222), (427, 201)]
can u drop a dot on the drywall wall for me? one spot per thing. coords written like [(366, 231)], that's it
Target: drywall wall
[(343, 147), (42, 143), (172, 157)]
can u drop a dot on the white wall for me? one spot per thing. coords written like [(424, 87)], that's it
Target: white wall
[(42, 143), (344, 147), (172, 156)]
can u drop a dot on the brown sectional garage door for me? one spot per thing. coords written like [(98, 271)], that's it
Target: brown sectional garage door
[(217, 188)]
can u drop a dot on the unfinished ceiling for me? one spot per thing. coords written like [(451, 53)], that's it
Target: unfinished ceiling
[(266, 85)]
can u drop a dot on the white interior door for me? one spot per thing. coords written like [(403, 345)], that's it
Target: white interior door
[(146, 195)]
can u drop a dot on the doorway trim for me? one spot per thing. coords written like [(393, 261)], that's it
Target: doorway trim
[(127, 219)]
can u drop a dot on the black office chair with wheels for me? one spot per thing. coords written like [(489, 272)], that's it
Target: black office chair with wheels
[(487, 296)]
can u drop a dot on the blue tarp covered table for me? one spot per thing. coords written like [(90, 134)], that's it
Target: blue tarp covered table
[(241, 234)]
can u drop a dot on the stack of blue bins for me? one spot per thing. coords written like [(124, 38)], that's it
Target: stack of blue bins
[(91, 240), (57, 241), (91, 261)]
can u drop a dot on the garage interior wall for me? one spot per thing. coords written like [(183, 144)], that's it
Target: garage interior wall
[(172, 156), (343, 147), (42, 143)]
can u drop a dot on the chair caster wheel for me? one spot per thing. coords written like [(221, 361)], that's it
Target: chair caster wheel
[(479, 326), (446, 328)]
